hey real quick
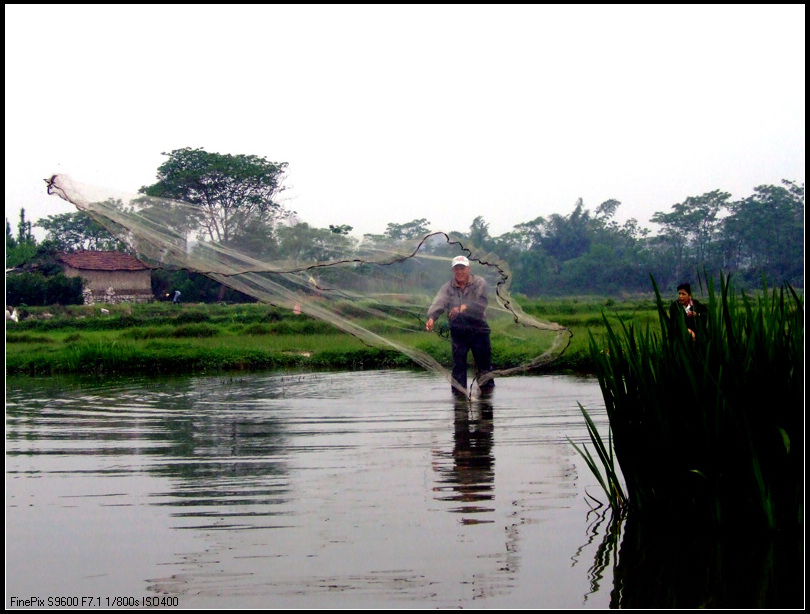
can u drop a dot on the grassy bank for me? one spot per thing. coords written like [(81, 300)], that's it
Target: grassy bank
[(195, 338)]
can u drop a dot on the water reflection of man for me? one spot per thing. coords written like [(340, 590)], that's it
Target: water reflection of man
[(470, 480)]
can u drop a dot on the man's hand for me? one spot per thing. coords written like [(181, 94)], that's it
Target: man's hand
[(457, 310), (429, 325)]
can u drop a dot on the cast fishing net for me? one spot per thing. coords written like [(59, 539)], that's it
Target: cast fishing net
[(377, 289)]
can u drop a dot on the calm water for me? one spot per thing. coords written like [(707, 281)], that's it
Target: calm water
[(318, 490)]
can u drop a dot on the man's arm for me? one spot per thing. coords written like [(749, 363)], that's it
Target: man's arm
[(437, 307)]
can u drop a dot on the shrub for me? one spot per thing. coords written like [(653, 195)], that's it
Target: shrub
[(35, 289), (194, 330)]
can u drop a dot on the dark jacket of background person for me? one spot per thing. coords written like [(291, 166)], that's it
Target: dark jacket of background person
[(691, 314)]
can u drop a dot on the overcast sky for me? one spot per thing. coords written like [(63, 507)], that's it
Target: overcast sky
[(393, 113)]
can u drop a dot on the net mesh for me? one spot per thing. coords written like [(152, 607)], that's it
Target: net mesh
[(377, 289)]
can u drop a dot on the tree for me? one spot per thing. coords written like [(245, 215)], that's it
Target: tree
[(409, 231), (607, 209), (233, 196), (567, 237), (479, 234), (415, 229), (22, 248), (527, 235), (11, 242), (24, 234), (302, 242), (575, 253), (766, 232), (693, 228), (74, 231), (614, 258), (343, 229)]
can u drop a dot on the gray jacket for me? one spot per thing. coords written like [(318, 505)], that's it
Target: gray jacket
[(474, 296)]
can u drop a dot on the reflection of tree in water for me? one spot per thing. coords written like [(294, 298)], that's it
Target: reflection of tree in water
[(225, 463), (688, 567)]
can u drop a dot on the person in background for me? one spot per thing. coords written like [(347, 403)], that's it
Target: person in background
[(176, 298), (687, 308), (464, 298)]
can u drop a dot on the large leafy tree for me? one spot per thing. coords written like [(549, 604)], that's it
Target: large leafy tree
[(415, 229), (766, 233), (303, 242), (613, 260), (567, 237), (234, 197), (692, 229), (73, 231), (479, 234)]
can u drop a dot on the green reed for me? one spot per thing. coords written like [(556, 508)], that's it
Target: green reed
[(711, 429), (611, 482), (92, 357)]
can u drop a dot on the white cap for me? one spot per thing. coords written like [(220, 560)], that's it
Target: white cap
[(460, 260)]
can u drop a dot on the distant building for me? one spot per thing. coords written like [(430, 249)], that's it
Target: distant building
[(111, 277)]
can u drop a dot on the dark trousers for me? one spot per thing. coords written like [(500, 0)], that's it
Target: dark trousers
[(477, 341)]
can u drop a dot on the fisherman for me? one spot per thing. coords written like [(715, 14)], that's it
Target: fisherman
[(464, 298)]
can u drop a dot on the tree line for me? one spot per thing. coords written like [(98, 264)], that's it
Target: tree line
[(755, 238), (234, 201)]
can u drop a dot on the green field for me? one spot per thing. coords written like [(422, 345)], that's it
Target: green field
[(166, 338)]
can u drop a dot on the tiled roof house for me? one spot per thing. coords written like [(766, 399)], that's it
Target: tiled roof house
[(111, 277)]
